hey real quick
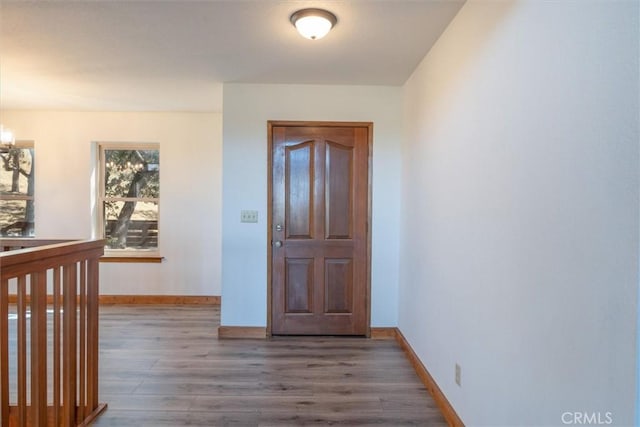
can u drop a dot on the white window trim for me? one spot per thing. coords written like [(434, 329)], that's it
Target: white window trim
[(100, 226)]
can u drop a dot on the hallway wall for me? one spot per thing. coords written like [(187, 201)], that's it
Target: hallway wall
[(520, 211), (190, 191), (247, 108)]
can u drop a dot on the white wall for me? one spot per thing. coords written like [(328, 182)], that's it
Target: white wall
[(247, 108), (519, 250), (190, 180)]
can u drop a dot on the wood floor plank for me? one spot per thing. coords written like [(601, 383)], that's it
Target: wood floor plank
[(154, 402), (144, 418), (164, 366)]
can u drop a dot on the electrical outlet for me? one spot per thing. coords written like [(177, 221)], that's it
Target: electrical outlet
[(248, 216), (458, 375)]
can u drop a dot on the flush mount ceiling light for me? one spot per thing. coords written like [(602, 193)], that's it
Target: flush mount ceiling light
[(313, 24)]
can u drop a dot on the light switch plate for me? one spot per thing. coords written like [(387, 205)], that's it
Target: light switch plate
[(248, 216)]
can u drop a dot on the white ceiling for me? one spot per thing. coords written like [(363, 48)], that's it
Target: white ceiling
[(155, 55)]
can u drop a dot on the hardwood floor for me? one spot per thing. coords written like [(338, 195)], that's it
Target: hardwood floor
[(164, 366)]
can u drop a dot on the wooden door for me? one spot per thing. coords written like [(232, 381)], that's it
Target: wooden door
[(319, 229)]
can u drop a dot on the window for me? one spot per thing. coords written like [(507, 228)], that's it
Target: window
[(129, 198), (16, 190)]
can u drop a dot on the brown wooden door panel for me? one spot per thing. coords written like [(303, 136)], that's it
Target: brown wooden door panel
[(319, 215), (299, 190), (338, 282), (298, 285), (339, 191)]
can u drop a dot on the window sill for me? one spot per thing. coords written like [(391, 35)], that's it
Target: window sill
[(132, 259)]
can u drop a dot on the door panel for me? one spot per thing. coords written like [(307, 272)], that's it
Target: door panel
[(299, 168), (339, 285), (320, 208), (299, 285), (339, 186)]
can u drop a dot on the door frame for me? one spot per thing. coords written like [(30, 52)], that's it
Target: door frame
[(274, 123)]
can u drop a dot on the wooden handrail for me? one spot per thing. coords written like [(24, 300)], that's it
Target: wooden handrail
[(13, 243), (69, 270)]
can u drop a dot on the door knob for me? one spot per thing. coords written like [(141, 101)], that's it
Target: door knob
[(277, 243)]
